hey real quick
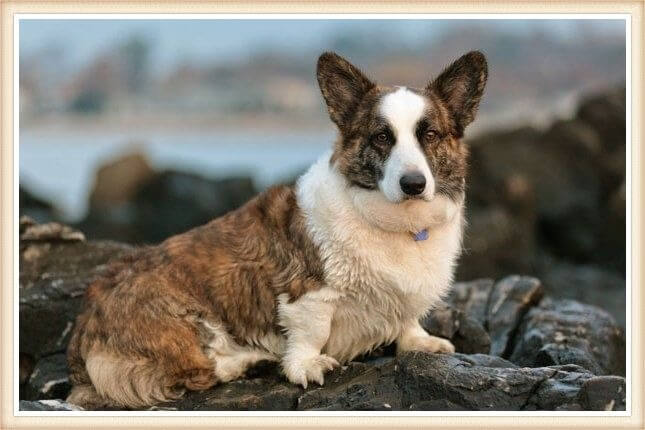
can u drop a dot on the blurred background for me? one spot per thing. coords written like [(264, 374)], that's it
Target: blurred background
[(134, 130)]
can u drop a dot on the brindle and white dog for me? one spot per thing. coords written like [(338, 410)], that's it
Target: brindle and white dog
[(312, 275)]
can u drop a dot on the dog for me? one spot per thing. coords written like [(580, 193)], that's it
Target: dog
[(311, 275)]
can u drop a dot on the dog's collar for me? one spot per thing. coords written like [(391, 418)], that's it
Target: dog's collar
[(422, 235)]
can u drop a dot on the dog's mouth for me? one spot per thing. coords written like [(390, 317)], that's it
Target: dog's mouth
[(419, 197)]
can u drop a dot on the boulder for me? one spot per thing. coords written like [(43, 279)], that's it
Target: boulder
[(559, 191), (590, 284), (117, 181), (173, 202), (153, 206), (495, 307), (569, 332), (49, 379), (56, 266), (467, 334), (509, 300)]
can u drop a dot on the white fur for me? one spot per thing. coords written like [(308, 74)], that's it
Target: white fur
[(378, 280), (403, 109), (230, 358)]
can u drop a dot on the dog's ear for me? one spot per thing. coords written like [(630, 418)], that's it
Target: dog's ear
[(342, 85), (461, 86)]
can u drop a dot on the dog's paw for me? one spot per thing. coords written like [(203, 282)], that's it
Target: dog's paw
[(431, 344), (301, 371)]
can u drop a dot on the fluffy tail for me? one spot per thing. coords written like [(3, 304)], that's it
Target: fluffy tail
[(123, 383)]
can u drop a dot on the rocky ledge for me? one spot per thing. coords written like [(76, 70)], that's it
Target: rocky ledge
[(516, 349)]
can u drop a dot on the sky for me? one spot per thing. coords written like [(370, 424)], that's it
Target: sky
[(230, 40)]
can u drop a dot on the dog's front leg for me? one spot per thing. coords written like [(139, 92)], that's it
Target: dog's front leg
[(415, 338), (307, 322)]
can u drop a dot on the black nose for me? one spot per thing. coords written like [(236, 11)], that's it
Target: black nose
[(413, 183)]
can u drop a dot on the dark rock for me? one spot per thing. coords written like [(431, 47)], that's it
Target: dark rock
[(472, 298), (568, 332), (588, 284), (26, 366), (54, 274), (164, 204), (606, 114), (493, 308), (558, 192), (561, 391), (49, 380), (452, 380), (417, 381), (357, 386), (47, 405), (603, 393), (174, 202), (509, 300), (467, 334), (35, 207)]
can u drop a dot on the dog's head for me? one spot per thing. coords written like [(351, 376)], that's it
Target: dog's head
[(402, 142)]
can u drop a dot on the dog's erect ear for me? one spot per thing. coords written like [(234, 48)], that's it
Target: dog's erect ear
[(342, 85), (461, 86)]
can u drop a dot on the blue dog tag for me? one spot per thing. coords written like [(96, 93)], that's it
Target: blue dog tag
[(422, 235)]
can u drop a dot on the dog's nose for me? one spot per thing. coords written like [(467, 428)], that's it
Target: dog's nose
[(413, 183)]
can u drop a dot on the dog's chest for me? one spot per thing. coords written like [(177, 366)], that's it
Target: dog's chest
[(384, 280)]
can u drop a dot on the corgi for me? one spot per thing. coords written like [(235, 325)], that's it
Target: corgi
[(311, 275)]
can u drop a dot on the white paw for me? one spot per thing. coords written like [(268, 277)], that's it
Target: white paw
[(431, 344), (309, 369)]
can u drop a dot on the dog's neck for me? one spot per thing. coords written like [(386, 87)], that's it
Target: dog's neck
[(324, 190)]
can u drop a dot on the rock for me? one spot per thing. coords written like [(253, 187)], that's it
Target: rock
[(51, 231), (568, 332), (35, 207), (418, 381), (557, 192), (603, 393), (466, 334), (49, 380), (472, 298), (270, 392), (590, 284), (47, 405), (53, 276), (118, 181), (164, 204), (509, 300), (605, 112), (497, 308), (413, 381), (174, 202)]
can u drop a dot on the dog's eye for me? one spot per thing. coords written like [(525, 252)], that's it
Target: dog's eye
[(382, 138), (432, 134)]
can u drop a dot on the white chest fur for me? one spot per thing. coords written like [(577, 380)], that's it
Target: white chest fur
[(379, 276)]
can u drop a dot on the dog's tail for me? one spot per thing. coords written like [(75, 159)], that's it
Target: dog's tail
[(109, 380), (119, 382)]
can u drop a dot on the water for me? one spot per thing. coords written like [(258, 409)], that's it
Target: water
[(60, 168)]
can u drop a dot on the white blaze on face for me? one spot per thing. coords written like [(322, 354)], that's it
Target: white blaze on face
[(403, 109)]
